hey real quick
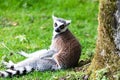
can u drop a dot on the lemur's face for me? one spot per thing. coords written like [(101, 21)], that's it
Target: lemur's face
[(60, 25)]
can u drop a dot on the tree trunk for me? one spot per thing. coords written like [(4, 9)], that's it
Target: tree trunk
[(106, 61)]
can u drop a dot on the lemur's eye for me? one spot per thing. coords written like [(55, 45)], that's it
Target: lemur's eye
[(62, 26), (55, 24)]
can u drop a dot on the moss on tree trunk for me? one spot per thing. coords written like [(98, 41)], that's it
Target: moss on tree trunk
[(106, 54)]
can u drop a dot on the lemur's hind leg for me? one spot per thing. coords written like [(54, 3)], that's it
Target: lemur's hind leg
[(47, 64), (39, 64)]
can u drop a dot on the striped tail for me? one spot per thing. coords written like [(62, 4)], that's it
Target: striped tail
[(16, 71)]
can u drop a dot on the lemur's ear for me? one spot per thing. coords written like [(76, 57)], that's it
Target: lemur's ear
[(53, 17), (68, 22)]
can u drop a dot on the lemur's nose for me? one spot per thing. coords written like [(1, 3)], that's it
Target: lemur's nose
[(57, 30)]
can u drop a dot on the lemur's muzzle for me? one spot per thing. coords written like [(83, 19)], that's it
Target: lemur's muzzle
[(57, 29)]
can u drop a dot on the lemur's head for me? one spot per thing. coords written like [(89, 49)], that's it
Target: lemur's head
[(60, 25)]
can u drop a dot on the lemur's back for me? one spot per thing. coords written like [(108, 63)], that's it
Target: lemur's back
[(68, 48)]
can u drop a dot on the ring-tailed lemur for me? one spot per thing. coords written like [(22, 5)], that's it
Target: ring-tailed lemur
[(64, 52)]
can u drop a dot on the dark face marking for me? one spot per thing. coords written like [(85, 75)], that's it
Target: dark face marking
[(62, 27), (57, 30), (55, 24), (62, 21)]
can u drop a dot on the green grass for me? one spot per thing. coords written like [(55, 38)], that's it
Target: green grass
[(32, 21)]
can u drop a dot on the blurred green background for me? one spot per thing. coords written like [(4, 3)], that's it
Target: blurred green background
[(27, 25)]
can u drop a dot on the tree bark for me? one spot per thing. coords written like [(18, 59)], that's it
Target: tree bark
[(106, 61)]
